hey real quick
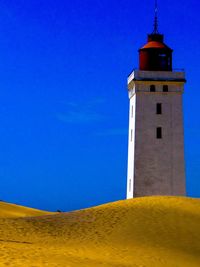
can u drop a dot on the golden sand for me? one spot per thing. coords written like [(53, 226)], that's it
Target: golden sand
[(142, 232), (8, 210)]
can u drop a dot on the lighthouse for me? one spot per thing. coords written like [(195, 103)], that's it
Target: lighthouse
[(156, 140)]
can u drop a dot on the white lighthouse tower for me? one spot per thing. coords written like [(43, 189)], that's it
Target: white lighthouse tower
[(156, 143)]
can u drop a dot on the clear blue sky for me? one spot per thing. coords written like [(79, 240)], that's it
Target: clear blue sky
[(63, 95)]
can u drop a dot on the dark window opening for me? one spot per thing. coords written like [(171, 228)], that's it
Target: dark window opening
[(159, 133), (152, 88), (159, 108), (165, 88)]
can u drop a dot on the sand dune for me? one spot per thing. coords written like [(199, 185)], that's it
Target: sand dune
[(8, 210), (142, 232)]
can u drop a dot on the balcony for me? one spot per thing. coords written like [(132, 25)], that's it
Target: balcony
[(177, 75)]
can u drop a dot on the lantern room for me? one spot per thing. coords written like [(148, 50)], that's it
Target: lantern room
[(155, 55)]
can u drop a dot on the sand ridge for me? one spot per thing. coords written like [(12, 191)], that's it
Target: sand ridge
[(8, 210), (142, 232)]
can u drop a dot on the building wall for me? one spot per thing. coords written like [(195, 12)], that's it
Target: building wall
[(159, 163), (155, 166)]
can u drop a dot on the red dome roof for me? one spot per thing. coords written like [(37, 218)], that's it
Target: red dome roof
[(155, 44)]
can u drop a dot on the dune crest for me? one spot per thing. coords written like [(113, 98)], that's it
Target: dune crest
[(149, 231), (8, 210)]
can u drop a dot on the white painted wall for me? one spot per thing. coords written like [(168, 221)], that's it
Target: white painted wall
[(131, 147)]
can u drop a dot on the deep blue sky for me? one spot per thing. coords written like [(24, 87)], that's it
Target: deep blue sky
[(63, 95)]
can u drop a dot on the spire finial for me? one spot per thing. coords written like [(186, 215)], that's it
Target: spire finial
[(155, 30)]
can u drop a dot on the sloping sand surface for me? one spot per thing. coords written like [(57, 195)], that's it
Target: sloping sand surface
[(142, 232), (8, 210)]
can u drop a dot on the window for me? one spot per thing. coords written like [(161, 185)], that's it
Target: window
[(169, 61), (129, 185), (152, 88), (159, 133), (131, 135), (162, 55), (159, 108), (165, 88)]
